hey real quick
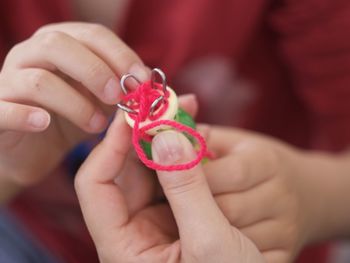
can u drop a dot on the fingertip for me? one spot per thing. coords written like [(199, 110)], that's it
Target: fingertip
[(189, 103), (171, 147), (38, 120)]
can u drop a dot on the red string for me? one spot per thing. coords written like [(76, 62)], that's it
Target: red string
[(141, 100)]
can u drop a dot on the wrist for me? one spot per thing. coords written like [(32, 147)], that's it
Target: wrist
[(326, 193)]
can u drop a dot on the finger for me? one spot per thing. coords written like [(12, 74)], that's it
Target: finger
[(137, 183), (187, 191), (106, 45), (234, 206), (222, 140), (189, 103), (59, 51), (277, 256), (266, 234), (103, 205), (249, 166), (46, 89), (18, 117)]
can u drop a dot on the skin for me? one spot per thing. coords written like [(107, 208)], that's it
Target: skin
[(263, 187), (183, 230), (49, 102), (280, 197)]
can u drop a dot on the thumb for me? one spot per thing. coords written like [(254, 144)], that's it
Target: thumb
[(204, 231), (188, 193)]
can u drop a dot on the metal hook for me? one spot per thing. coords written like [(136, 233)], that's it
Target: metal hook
[(126, 108), (154, 73), (161, 74), (124, 78), (155, 103)]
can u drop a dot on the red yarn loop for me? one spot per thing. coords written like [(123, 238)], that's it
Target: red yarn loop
[(142, 98), (178, 126), (141, 101)]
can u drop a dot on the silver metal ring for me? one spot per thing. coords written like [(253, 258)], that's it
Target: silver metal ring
[(154, 73), (155, 103), (124, 78), (126, 108)]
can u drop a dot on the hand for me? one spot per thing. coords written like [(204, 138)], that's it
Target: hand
[(191, 229), (53, 91), (273, 193)]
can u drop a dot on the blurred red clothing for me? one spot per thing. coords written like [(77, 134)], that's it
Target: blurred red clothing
[(277, 67)]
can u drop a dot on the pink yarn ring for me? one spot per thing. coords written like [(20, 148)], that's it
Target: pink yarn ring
[(178, 126)]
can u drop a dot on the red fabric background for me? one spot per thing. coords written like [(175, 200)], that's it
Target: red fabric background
[(297, 52)]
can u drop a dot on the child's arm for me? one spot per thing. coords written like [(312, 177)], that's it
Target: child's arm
[(55, 89)]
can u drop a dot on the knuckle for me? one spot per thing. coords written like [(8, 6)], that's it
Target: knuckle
[(94, 30), (43, 29), (49, 40), (183, 183)]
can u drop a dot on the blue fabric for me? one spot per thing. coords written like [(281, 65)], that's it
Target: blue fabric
[(76, 157), (16, 246)]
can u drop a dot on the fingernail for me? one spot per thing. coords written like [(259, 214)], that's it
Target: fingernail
[(97, 121), (167, 148), (112, 90), (38, 119), (140, 72)]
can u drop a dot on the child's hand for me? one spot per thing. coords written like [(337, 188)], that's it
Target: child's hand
[(268, 190), (199, 233), (52, 90), (139, 184)]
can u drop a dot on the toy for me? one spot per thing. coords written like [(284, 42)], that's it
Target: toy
[(152, 108)]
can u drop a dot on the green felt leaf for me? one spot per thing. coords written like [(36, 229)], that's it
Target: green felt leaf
[(184, 118), (147, 148)]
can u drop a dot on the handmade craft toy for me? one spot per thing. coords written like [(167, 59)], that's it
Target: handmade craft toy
[(152, 108)]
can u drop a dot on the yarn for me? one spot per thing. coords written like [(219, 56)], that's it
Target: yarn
[(140, 100)]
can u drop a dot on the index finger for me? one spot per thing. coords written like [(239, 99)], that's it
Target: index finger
[(222, 140), (102, 203), (103, 42)]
